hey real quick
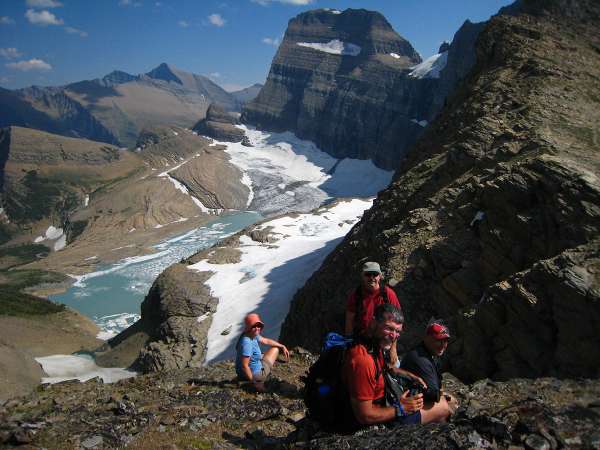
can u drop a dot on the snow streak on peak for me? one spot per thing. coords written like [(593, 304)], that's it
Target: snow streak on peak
[(431, 67), (335, 47)]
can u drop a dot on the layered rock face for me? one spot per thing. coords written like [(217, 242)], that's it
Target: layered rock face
[(342, 80), (493, 219), (220, 125)]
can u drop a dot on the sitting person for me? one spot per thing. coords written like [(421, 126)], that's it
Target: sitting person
[(424, 361), (250, 363), (364, 379)]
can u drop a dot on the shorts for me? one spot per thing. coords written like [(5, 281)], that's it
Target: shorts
[(265, 371), (411, 419)]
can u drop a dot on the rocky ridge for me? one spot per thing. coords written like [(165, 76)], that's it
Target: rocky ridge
[(117, 107), (492, 220), (208, 408), (360, 101)]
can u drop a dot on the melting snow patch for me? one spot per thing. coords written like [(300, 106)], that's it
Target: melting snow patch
[(175, 133), (431, 67), (60, 243), (39, 239), (89, 258), (75, 367), (395, 55), (53, 233), (271, 275), (86, 201), (335, 47)]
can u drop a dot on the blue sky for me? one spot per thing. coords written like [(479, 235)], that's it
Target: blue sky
[(55, 42)]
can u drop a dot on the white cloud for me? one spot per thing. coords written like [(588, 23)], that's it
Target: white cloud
[(5, 20), (214, 75), (42, 18), (216, 20), (32, 64), (9, 52), (72, 30), (183, 24), (43, 3), (4, 79), (271, 41), (287, 2), (129, 3)]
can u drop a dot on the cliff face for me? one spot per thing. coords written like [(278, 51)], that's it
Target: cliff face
[(493, 219), (343, 80)]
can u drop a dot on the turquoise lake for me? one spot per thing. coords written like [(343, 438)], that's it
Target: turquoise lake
[(111, 295)]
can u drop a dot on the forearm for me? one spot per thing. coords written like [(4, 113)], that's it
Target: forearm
[(373, 413), (270, 342)]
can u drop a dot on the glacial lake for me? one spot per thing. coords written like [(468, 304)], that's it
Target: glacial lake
[(111, 296)]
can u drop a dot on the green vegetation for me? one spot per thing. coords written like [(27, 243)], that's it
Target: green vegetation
[(36, 201), (26, 252), (15, 302)]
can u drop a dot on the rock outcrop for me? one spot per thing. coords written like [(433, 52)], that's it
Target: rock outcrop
[(168, 336), (492, 220), (220, 125), (344, 80)]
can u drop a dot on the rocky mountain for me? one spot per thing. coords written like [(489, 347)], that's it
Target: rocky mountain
[(350, 83), (115, 108), (178, 182), (247, 94), (51, 110), (45, 177), (166, 95), (493, 219)]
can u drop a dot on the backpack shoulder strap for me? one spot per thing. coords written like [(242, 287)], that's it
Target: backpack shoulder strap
[(383, 292)]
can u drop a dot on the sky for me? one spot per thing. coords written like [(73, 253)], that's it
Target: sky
[(56, 42)]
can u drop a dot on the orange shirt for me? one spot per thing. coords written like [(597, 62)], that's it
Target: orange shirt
[(359, 374)]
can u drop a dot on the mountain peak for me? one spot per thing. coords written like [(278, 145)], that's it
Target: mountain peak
[(117, 77), (165, 72)]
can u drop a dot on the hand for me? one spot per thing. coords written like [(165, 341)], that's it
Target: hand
[(420, 380), (411, 404), (285, 351)]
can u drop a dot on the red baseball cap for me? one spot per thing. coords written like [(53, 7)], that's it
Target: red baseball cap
[(251, 320), (438, 331)]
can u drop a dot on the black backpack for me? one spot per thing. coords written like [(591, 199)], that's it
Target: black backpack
[(325, 394)]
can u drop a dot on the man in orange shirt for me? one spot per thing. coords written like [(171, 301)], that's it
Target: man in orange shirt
[(363, 375)]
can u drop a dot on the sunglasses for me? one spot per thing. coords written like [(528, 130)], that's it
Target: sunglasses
[(257, 325), (371, 274)]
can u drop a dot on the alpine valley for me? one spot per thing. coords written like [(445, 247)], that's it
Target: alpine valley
[(471, 176)]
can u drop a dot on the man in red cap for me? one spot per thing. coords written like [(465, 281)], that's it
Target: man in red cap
[(250, 363), (424, 361)]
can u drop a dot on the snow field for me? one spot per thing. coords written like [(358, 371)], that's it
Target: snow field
[(267, 276), (68, 367)]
